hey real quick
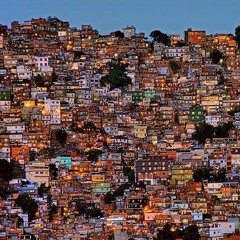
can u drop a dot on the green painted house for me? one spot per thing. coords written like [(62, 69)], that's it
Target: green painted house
[(137, 96), (196, 114), (101, 188), (149, 94), (5, 95)]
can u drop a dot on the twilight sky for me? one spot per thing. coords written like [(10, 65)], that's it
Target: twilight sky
[(169, 16)]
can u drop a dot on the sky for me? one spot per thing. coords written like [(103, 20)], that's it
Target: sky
[(168, 16)]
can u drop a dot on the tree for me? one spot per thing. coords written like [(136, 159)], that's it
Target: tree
[(223, 131), (158, 36), (78, 54), (93, 212), (109, 198), (116, 78), (237, 35), (54, 77), (19, 222), (191, 232), (28, 205), (18, 171), (32, 155), (181, 43), (121, 189), (61, 136), (127, 171), (207, 216), (202, 132), (50, 152), (89, 127), (216, 56), (168, 232), (6, 170), (171, 232), (39, 82), (42, 189), (119, 34), (220, 175), (33, 237), (52, 212), (175, 66), (53, 170), (81, 207), (92, 154), (201, 174), (89, 210), (222, 80), (232, 112)]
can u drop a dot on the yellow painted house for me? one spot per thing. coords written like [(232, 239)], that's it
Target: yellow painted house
[(182, 173), (98, 178), (140, 131)]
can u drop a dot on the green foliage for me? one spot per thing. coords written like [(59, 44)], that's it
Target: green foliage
[(89, 127), (50, 152), (81, 207), (28, 205), (158, 36), (54, 77), (6, 170), (170, 232), (42, 189), (52, 212), (92, 154), (19, 221), (216, 56), (119, 34), (33, 237), (127, 171), (133, 106), (32, 155), (181, 43), (201, 174), (18, 171), (223, 131), (221, 175), (117, 78), (78, 54), (175, 66), (61, 136), (94, 212), (109, 198), (232, 112), (53, 171), (206, 216), (167, 234), (191, 233), (202, 132), (120, 190), (89, 210), (237, 35), (222, 80), (4, 192), (39, 81)]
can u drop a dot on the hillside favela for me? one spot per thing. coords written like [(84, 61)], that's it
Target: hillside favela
[(125, 136)]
